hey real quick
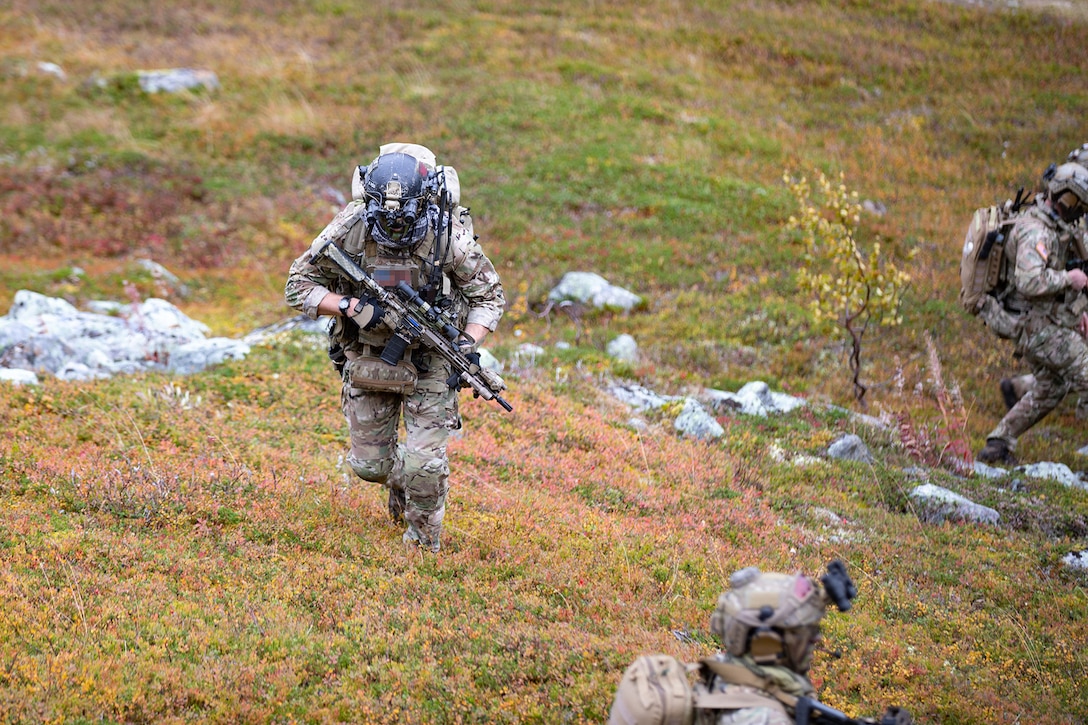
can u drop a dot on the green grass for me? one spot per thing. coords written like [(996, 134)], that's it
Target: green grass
[(194, 548)]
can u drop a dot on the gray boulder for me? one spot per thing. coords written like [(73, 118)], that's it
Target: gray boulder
[(754, 398), (981, 469), (695, 422), (1055, 471), (192, 357), (595, 290), (174, 80), (850, 448), (1076, 560), (13, 332), (47, 335), (490, 362), (623, 348), (16, 376), (936, 505), (639, 397)]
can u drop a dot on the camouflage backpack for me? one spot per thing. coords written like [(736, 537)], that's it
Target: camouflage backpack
[(982, 259), (654, 691)]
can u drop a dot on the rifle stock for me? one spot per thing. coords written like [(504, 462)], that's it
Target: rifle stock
[(411, 319)]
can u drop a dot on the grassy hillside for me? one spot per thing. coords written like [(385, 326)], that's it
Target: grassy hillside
[(195, 549)]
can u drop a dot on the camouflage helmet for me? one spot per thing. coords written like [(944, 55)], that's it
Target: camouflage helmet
[(1078, 155), (775, 618), (1068, 190)]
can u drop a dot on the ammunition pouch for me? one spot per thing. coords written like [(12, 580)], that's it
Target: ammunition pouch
[(371, 373), (1005, 324)]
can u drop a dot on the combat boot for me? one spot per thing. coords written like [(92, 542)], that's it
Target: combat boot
[(424, 527), (412, 537), (996, 451)]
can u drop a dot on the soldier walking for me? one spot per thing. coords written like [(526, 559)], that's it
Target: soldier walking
[(1054, 322), (403, 225)]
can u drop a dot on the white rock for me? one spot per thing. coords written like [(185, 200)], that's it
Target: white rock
[(623, 348), (936, 504), (489, 361), (851, 448), (694, 421), (17, 376), (1076, 560), (51, 69), (176, 79), (754, 398), (195, 356), (1055, 471), (638, 397), (593, 289)]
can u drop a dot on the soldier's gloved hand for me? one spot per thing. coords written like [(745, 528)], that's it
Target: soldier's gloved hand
[(367, 313), (474, 358), (1077, 279)]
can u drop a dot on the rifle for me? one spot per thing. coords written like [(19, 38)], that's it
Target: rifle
[(808, 711), (411, 319)]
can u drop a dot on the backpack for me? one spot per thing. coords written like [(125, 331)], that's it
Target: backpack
[(982, 260), (654, 691)]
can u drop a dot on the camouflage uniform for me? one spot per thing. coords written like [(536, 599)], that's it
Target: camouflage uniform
[(1004, 320), (996, 316), (416, 471), (1048, 339)]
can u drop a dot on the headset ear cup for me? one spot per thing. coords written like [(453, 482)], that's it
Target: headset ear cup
[(765, 646)]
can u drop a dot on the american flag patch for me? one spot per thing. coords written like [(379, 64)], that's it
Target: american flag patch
[(392, 276), (1042, 250)]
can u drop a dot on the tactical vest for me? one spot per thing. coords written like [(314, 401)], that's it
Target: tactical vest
[(388, 267), (1062, 308)]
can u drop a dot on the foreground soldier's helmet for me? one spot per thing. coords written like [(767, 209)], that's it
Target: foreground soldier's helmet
[(775, 618), (395, 188), (1078, 155), (1068, 190)]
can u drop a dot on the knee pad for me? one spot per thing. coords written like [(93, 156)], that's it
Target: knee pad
[(373, 469)]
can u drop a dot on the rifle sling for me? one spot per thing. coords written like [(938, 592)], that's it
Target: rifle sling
[(740, 675)]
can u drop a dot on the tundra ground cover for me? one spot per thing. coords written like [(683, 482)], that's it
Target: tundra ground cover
[(178, 549)]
